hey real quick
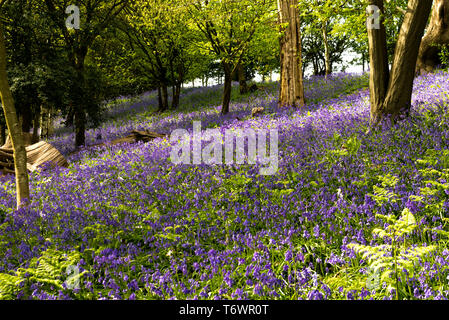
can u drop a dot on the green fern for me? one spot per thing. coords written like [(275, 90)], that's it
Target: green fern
[(387, 260), (9, 285), (381, 193), (49, 270)]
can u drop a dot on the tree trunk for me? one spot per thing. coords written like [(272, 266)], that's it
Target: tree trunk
[(291, 87), (379, 69), (363, 62), (79, 107), (400, 87), (79, 95), (20, 155), (44, 130), (176, 96), (315, 68), (327, 52), (177, 88), (164, 96), (242, 79), (227, 88), (26, 119), (437, 35), (80, 127), (159, 98), (70, 116), (46, 122), (36, 126)]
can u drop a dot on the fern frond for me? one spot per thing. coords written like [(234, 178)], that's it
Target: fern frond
[(9, 286)]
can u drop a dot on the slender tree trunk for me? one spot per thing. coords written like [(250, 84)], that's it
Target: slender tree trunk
[(50, 123), (80, 114), (363, 62), (327, 52), (80, 127), (177, 88), (437, 35), (227, 88), (292, 87), (79, 106), (379, 69), (159, 96), (163, 98), (242, 79), (70, 116), (176, 96), (20, 155), (50, 127), (399, 96), (316, 68), (36, 125), (44, 123)]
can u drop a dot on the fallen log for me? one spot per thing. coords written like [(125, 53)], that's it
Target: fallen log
[(38, 155), (134, 137)]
